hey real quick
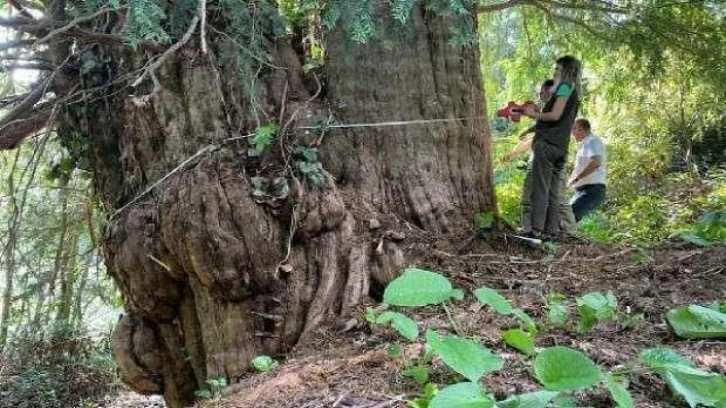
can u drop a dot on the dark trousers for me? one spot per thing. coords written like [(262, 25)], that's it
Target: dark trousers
[(547, 169), (587, 198)]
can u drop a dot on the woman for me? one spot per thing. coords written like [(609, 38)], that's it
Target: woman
[(551, 140)]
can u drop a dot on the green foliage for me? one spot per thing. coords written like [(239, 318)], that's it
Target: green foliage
[(462, 395), (401, 10), (313, 172), (395, 350), (49, 236), (526, 320), (466, 357), (557, 312), (695, 386), (212, 389), (620, 394), (661, 357), (263, 364), (418, 373), (307, 162), (508, 183), (565, 369), (418, 287), (484, 220), (708, 230), (521, 340), (402, 323), (263, 137), (718, 305), (561, 370), (146, 21), (499, 304), (666, 98), (492, 298), (430, 391), (365, 21), (595, 307), (539, 399), (697, 322), (61, 372)]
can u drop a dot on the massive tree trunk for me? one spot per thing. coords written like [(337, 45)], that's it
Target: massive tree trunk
[(219, 263)]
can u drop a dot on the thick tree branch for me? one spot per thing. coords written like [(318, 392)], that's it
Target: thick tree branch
[(28, 103), (16, 22), (567, 19), (24, 58), (11, 100), (593, 5), (488, 8), (14, 132), (73, 23), (21, 8), (88, 37), (33, 66), (151, 70), (15, 44)]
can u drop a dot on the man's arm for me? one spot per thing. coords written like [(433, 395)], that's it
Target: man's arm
[(590, 167), (526, 132), (521, 148)]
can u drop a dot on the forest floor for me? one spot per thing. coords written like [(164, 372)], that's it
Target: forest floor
[(353, 368)]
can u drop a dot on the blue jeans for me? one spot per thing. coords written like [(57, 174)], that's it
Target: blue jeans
[(587, 198)]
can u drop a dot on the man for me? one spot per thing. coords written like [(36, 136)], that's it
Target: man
[(567, 219), (588, 176)]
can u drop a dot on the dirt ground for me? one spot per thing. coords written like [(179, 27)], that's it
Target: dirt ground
[(353, 369)]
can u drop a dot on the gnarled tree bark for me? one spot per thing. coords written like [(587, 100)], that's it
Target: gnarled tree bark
[(214, 272)]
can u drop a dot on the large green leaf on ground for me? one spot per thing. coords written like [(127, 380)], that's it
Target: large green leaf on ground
[(695, 237), (594, 307), (520, 340), (659, 358), (492, 298), (418, 287), (538, 399), (565, 369), (697, 322), (419, 373), (565, 401), (462, 395), (696, 386), (467, 357), (402, 323), (557, 312), (263, 363), (527, 322), (620, 394)]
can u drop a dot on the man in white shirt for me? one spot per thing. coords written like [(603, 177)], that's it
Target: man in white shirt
[(588, 176)]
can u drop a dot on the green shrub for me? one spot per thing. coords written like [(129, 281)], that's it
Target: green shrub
[(508, 189), (65, 372), (709, 229)]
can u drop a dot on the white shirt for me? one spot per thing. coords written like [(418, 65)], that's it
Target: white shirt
[(588, 148)]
